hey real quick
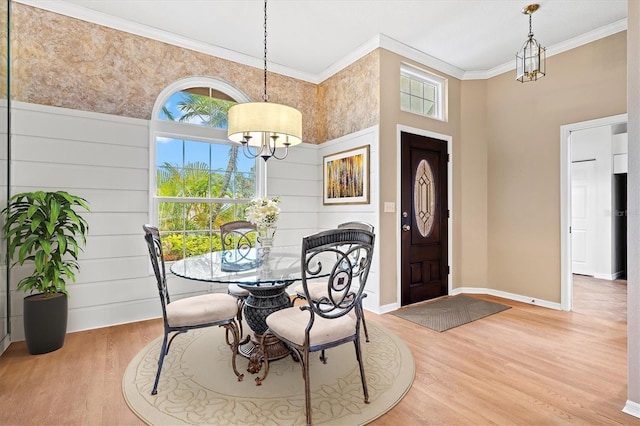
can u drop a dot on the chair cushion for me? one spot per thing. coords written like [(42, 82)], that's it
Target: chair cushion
[(290, 324), (203, 309), (237, 291), (317, 290)]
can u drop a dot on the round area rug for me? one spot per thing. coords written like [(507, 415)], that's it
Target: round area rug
[(197, 384)]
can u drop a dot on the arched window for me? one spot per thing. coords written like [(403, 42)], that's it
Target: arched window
[(199, 179)]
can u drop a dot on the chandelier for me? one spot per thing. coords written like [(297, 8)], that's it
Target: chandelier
[(530, 60), (263, 127)]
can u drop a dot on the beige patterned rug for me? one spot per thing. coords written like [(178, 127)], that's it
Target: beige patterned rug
[(197, 385), (447, 313)]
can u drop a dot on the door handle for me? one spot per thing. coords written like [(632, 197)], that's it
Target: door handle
[(406, 228)]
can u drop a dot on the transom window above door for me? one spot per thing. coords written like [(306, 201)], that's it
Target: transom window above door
[(422, 92)]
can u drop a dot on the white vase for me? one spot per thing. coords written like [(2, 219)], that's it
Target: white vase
[(265, 239)]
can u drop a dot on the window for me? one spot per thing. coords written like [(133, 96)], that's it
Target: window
[(199, 180), (422, 92)]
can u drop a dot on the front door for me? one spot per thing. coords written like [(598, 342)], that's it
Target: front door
[(424, 211)]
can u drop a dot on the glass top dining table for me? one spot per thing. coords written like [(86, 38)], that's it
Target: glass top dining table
[(266, 281), (283, 265)]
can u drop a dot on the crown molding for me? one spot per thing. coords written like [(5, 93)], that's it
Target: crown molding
[(379, 41), (362, 50), (388, 43), (99, 18), (419, 56)]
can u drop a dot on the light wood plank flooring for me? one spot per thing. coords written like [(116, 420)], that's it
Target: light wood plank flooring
[(524, 366), (600, 298)]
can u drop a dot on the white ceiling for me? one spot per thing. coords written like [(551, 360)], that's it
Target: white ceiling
[(310, 39)]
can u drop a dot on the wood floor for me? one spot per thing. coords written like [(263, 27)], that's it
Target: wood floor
[(524, 366), (600, 298)]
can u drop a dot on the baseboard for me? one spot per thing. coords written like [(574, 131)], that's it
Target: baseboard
[(4, 344), (385, 309), (608, 277), (632, 408), (505, 295), (91, 318), (141, 310), (619, 274), (476, 290)]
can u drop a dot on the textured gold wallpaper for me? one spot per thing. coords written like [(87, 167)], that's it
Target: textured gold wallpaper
[(65, 62), (350, 99)]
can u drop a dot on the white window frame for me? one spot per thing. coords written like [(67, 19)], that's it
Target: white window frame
[(439, 83), (161, 128)]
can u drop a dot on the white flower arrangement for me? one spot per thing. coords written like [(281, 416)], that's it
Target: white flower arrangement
[(264, 212)]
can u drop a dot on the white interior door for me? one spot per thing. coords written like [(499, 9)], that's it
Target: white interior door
[(583, 217)]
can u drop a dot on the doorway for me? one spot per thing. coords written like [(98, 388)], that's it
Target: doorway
[(608, 229)]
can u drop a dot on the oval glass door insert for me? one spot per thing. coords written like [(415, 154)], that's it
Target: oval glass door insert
[(424, 198)]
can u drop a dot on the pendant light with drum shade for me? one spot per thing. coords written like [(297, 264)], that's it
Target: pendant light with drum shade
[(530, 60), (263, 127)]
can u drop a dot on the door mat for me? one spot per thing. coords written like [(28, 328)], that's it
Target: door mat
[(445, 314)]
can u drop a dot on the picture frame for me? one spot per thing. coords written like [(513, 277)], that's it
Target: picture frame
[(346, 177)]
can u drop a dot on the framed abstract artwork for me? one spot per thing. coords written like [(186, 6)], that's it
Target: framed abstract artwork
[(346, 177)]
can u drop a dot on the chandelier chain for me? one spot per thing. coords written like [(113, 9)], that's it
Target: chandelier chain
[(530, 31), (264, 96), (264, 128)]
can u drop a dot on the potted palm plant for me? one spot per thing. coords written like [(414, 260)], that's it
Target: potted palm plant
[(43, 229)]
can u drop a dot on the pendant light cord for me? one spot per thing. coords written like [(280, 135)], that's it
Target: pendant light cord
[(264, 96)]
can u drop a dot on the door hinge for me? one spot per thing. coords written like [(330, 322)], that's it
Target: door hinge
[(448, 270), (448, 214), (448, 158)]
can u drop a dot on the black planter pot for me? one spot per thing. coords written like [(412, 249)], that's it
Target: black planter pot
[(45, 322)]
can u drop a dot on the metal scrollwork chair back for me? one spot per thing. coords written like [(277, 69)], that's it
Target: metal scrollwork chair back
[(318, 289), (344, 256), (238, 240), (189, 313)]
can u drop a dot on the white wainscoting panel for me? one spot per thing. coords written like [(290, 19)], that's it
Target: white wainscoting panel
[(329, 216), (294, 179), (105, 159)]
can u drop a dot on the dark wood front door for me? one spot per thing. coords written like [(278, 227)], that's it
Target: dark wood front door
[(424, 211)]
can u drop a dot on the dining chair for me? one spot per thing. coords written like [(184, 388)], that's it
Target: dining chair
[(238, 240), (189, 313), (318, 289), (344, 256)]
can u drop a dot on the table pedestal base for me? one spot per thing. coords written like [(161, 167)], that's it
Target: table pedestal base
[(274, 349)]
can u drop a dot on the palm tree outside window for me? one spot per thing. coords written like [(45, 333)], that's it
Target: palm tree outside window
[(200, 180)]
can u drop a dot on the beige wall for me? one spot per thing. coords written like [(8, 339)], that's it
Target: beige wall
[(523, 123), (506, 165), (390, 117), (65, 62), (473, 162)]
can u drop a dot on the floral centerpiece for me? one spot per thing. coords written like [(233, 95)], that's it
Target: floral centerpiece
[(264, 212)]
